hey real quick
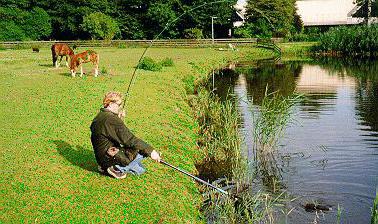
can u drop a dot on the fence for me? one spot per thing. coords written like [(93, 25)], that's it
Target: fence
[(136, 43)]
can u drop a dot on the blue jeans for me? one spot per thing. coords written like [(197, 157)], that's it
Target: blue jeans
[(135, 167)]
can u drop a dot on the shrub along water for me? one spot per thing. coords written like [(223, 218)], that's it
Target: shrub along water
[(349, 41)]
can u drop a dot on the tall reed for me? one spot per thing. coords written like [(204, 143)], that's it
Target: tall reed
[(271, 118), (349, 41), (221, 142)]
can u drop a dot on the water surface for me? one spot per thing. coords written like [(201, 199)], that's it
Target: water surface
[(329, 155)]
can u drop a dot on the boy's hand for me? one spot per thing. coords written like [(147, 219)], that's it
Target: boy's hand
[(122, 114), (155, 156)]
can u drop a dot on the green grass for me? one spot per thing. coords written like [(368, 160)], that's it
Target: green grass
[(48, 170)]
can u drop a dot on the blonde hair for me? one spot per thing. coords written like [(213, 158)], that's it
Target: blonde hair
[(111, 97)]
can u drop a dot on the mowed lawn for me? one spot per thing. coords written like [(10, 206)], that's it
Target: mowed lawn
[(48, 170)]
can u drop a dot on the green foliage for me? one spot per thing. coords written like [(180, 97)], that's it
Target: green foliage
[(9, 31), (351, 41), (149, 64), (19, 24), (135, 19), (244, 31), (193, 33), (37, 24), (272, 18), (131, 27), (100, 26), (167, 62), (159, 15), (297, 23), (260, 28), (308, 34)]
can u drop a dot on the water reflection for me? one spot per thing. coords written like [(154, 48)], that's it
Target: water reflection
[(271, 78), (331, 154)]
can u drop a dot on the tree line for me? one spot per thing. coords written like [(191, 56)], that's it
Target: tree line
[(141, 19)]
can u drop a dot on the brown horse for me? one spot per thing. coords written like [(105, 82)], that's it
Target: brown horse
[(62, 50), (84, 57)]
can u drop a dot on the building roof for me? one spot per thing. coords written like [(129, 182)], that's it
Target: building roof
[(326, 12)]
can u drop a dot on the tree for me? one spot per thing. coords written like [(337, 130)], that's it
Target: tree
[(201, 16), (9, 31), (100, 26), (20, 24), (159, 15), (37, 24), (271, 16)]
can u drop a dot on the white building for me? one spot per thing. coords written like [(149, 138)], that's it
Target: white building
[(327, 12), (322, 12)]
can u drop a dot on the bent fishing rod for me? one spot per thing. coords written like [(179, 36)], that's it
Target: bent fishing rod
[(194, 177)]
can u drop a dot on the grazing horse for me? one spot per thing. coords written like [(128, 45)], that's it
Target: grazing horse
[(61, 50), (84, 57)]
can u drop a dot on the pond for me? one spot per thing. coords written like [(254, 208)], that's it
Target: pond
[(329, 154)]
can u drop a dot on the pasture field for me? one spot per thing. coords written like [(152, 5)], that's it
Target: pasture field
[(48, 170)]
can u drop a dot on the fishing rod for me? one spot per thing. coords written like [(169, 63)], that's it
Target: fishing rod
[(194, 177)]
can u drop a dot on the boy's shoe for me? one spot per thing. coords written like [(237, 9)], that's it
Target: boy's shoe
[(99, 168), (116, 173)]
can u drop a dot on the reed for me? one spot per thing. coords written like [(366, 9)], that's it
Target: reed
[(374, 212), (220, 141), (271, 118), (339, 211), (349, 41)]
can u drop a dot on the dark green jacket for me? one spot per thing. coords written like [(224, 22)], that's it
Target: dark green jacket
[(108, 130)]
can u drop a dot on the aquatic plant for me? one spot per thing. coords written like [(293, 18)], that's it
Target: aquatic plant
[(339, 211), (271, 118), (220, 141), (374, 212), (349, 41)]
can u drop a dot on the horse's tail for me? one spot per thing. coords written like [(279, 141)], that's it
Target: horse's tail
[(53, 53)]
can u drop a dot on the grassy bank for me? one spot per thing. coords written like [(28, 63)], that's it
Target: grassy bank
[(48, 168)]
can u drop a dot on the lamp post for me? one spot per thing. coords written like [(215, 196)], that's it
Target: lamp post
[(212, 28)]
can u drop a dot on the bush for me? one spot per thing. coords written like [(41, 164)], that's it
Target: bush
[(258, 29), (149, 64), (167, 62), (122, 45), (100, 26), (193, 33)]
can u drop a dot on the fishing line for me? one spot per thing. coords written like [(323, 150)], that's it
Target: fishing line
[(157, 36)]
